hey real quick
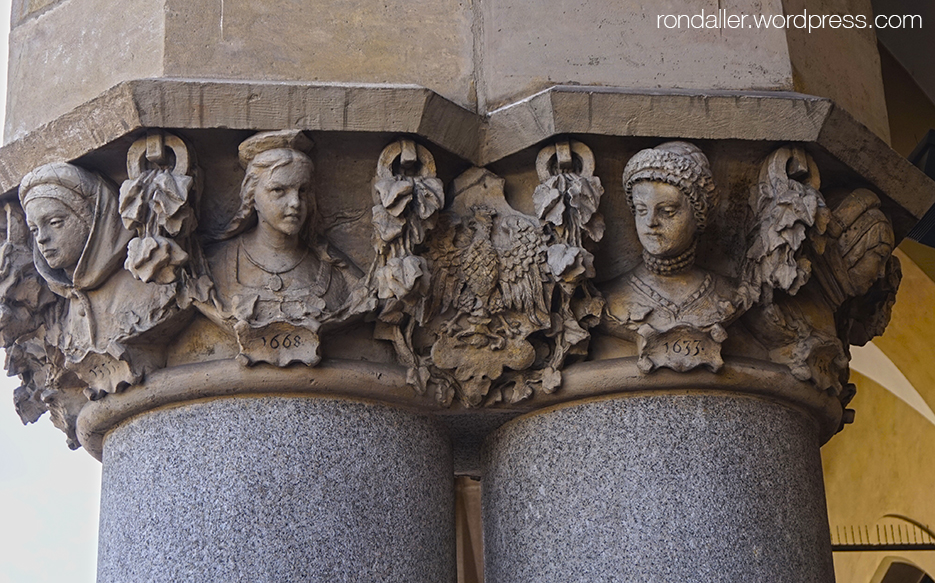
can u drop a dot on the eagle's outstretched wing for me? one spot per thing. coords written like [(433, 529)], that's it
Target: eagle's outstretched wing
[(444, 257), (521, 249)]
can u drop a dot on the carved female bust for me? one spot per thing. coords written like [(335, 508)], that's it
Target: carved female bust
[(80, 248), (276, 280), (673, 309)]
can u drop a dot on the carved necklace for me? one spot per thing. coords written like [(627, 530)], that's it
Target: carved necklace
[(670, 265), (274, 282)]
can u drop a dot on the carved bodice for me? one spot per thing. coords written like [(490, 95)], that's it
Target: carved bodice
[(313, 289), (633, 303), (686, 333)]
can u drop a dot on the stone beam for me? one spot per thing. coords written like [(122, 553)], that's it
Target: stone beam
[(711, 115)]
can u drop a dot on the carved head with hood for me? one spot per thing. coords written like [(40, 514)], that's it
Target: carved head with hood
[(73, 216)]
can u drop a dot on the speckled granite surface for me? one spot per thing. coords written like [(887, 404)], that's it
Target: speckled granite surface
[(657, 488), (277, 489)]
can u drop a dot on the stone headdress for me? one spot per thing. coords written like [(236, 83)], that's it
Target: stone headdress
[(264, 152), (680, 164), (92, 199)]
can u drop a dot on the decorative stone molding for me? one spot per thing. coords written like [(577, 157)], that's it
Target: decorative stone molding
[(724, 267)]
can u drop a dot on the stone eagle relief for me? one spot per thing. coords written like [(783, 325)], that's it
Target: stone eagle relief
[(488, 275)]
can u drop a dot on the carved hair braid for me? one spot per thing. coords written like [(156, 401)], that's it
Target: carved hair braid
[(681, 165)]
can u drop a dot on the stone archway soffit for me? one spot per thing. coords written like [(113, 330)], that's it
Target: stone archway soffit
[(871, 362)]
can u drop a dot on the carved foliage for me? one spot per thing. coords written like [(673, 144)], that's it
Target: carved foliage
[(833, 279), (407, 198), (485, 302), (480, 301), (154, 203), (490, 293), (566, 202), (786, 206), (85, 304)]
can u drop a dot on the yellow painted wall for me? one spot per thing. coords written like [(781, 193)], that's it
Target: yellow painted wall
[(885, 462)]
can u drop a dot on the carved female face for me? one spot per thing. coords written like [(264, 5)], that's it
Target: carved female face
[(60, 234), (281, 197), (665, 221)]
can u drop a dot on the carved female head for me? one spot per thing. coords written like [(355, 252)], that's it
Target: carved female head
[(276, 189), (670, 191), (59, 200)]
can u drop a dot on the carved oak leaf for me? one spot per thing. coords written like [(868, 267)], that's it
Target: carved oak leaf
[(28, 408), (545, 198), (154, 259), (133, 204), (549, 202), (395, 194), (568, 263), (430, 196), (595, 227), (551, 380), (169, 201), (387, 226), (561, 257), (159, 192), (584, 195), (399, 276)]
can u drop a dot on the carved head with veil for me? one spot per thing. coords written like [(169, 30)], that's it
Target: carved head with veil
[(80, 249)]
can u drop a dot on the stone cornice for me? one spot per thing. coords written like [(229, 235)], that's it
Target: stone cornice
[(713, 115)]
